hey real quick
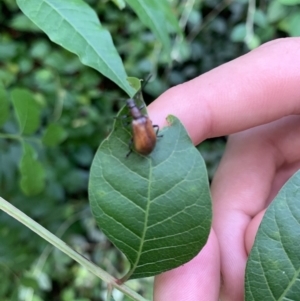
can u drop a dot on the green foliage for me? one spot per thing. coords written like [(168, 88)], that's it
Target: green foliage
[(29, 282), (291, 24), (238, 33), (134, 83), (32, 172), (274, 258), (4, 106), (120, 3), (289, 2), (276, 12), (27, 111), (157, 224), (150, 14), (54, 135)]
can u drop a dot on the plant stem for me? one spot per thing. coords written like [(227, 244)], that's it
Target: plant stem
[(10, 136), (250, 22), (55, 241), (20, 138)]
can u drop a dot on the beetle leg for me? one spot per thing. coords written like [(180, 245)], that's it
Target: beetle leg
[(123, 118), (130, 147), (157, 130)]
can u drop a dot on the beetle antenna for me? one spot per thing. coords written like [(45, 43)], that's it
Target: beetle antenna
[(146, 81)]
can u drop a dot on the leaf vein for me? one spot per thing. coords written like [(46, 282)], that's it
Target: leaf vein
[(173, 235)]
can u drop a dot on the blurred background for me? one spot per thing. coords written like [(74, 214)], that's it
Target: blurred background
[(82, 103)]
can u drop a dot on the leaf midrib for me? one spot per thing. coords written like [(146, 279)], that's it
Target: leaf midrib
[(145, 227)]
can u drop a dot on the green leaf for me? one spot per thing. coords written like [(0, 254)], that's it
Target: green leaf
[(4, 105), (150, 13), (54, 135), (32, 172), (21, 23), (274, 263), (289, 2), (291, 24), (27, 110), (164, 6), (119, 3), (76, 27), (276, 11), (6, 77), (260, 18), (253, 42), (8, 50), (29, 282), (238, 33), (134, 82), (156, 209), (181, 51)]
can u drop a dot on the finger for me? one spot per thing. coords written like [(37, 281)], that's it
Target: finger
[(198, 279), (241, 190), (251, 230), (281, 177), (253, 89)]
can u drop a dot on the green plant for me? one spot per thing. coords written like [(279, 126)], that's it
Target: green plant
[(61, 114), (105, 59)]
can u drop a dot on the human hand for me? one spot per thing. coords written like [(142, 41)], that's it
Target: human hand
[(256, 96)]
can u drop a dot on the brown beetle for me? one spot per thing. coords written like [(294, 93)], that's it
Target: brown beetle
[(143, 132)]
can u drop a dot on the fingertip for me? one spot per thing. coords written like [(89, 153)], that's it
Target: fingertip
[(199, 279), (254, 89), (180, 102)]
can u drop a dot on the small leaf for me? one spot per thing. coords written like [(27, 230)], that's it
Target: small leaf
[(134, 82), (253, 42), (27, 111), (260, 18), (291, 24), (29, 282), (4, 105), (238, 33), (156, 209), (32, 172), (76, 27), (154, 18), (54, 135), (119, 3), (276, 11), (274, 263), (181, 51), (164, 6)]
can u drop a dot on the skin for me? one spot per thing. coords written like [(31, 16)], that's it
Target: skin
[(256, 100)]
